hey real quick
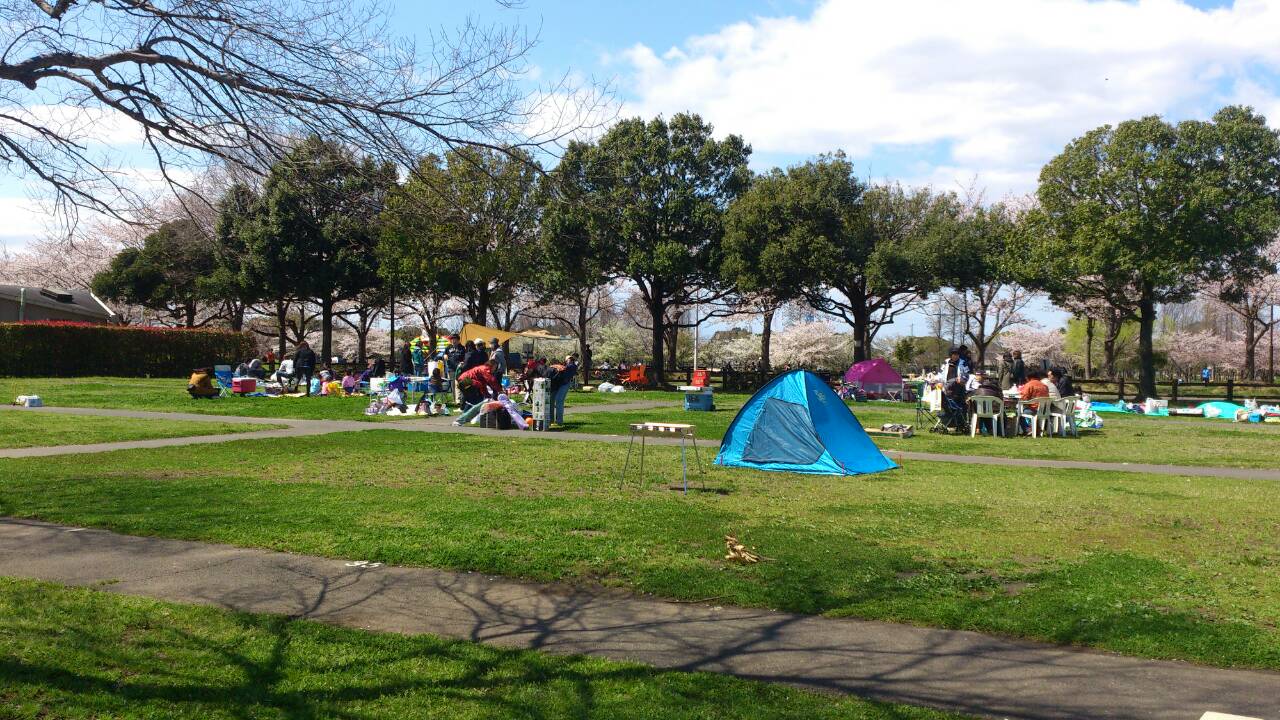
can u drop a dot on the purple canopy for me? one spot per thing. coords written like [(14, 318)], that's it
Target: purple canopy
[(876, 371)]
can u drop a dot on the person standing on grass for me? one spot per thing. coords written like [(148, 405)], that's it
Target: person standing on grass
[(406, 358), (1019, 370), (501, 356), (304, 364), (453, 356), (560, 384), (474, 357), (1205, 374)]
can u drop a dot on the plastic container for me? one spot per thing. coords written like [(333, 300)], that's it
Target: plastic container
[(700, 401)]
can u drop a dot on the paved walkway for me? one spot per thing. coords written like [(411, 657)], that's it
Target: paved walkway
[(961, 671), (300, 428)]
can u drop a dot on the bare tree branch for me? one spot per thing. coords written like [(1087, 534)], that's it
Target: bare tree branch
[(235, 80)]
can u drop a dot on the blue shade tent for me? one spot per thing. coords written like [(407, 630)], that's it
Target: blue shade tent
[(796, 423)]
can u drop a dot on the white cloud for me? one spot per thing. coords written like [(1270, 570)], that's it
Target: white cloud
[(24, 220), (80, 124), (1003, 84)]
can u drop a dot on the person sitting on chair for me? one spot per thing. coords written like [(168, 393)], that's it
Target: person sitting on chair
[(201, 384), (1062, 381), (1032, 389), (986, 387)]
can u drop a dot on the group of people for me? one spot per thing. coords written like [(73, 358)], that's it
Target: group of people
[(960, 381), (482, 383), (475, 373)]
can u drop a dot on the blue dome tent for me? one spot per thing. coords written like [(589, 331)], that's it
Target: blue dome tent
[(795, 423)]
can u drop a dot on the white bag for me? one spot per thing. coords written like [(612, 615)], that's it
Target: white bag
[(29, 401)]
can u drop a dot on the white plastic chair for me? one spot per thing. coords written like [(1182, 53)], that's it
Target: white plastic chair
[(1039, 417), (1062, 416), (986, 408)]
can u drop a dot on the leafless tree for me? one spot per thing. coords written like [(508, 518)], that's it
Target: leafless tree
[(362, 315), (580, 313), (433, 311), (988, 309), (230, 80)]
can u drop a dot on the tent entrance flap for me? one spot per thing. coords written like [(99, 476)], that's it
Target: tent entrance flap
[(783, 434)]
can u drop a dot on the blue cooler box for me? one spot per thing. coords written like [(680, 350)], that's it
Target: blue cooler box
[(699, 399)]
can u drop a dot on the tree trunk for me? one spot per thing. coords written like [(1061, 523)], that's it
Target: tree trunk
[(482, 307), (235, 315), (1113, 327), (1088, 347), (1146, 347), (326, 330), (189, 313), (673, 339), (861, 332), (582, 330), (766, 337), (282, 326), (362, 343), (1251, 338), (657, 320)]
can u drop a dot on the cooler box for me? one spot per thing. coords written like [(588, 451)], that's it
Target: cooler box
[(244, 385), (698, 398)]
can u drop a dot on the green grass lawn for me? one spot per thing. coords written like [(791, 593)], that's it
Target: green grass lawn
[(1124, 438), (170, 395), (1161, 566), (75, 653), (22, 428)]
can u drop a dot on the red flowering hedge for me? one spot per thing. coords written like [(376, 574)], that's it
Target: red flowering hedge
[(68, 349)]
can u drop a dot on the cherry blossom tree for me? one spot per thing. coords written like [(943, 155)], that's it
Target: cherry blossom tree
[(816, 345), (1188, 351), (1037, 345), (1250, 296)]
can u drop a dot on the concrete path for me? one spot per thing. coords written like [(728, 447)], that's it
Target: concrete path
[(960, 671), (301, 428)]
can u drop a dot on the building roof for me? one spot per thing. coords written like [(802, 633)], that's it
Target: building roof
[(78, 302)]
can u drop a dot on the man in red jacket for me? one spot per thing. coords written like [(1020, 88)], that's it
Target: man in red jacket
[(481, 381)]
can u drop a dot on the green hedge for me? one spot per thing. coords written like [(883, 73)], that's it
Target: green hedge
[(68, 349)]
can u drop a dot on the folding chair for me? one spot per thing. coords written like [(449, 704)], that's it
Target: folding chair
[(222, 373), (925, 416), (635, 377)]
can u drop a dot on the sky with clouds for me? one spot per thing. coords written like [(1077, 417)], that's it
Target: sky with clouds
[(925, 91)]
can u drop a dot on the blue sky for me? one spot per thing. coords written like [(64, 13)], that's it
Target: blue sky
[(950, 94), (956, 95)]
